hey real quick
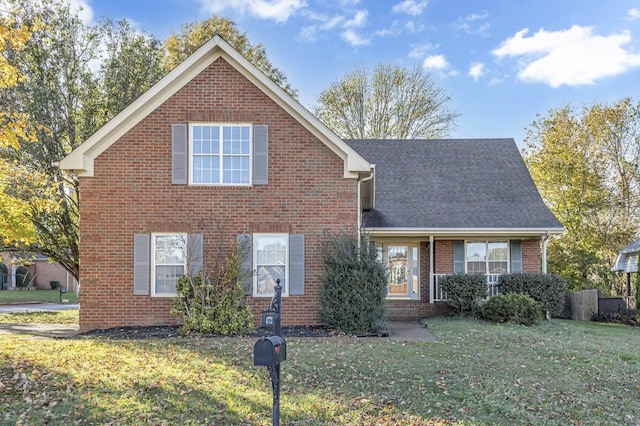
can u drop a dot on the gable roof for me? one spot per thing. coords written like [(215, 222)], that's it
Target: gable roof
[(455, 186), (80, 160)]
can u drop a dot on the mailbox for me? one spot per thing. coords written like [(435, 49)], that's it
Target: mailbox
[(269, 351)]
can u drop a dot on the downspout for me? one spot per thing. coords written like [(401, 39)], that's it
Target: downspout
[(544, 252), (431, 271), (360, 181)]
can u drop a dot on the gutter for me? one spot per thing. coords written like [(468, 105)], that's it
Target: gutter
[(360, 181)]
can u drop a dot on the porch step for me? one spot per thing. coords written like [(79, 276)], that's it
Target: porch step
[(397, 313)]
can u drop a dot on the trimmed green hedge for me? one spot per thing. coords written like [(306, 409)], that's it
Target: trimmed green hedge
[(546, 289), (464, 291)]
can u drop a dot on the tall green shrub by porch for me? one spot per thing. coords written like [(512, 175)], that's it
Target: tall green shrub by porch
[(464, 291), (353, 286), (546, 289)]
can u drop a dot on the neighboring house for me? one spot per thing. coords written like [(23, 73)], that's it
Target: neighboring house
[(627, 262), (42, 270), (217, 152)]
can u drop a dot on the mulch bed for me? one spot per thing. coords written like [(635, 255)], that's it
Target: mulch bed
[(163, 332)]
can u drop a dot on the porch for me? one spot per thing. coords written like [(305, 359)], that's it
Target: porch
[(438, 295)]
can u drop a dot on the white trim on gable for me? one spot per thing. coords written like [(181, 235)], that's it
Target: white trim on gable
[(80, 160)]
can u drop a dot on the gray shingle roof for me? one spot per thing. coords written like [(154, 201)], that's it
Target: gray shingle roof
[(453, 183)]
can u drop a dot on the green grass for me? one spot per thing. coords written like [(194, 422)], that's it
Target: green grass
[(35, 296), (476, 374), (62, 317)]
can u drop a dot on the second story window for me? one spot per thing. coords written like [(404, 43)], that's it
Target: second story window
[(220, 154)]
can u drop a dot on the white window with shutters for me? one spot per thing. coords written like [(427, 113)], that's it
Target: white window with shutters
[(220, 154), (269, 257), (169, 262)]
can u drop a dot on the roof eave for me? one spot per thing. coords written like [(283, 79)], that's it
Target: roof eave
[(464, 232)]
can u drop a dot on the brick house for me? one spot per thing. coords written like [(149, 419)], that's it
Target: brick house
[(217, 152)]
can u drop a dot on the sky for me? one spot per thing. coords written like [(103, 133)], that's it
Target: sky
[(502, 62)]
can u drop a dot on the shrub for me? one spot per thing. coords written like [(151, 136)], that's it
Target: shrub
[(546, 289), (511, 308), (353, 286), (625, 318), (464, 291), (23, 277), (54, 285), (214, 302)]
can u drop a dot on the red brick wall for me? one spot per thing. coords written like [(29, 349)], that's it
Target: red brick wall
[(131, 193), (531, 257)]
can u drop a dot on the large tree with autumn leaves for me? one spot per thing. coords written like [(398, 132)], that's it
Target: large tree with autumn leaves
[(586, 164)]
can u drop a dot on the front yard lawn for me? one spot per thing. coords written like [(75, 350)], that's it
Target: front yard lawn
[(35, 296), (477, 374)]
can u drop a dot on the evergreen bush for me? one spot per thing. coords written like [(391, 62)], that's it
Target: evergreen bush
[(464, 291), (546, 289), (512, 308), (213, 302), (353, 286)]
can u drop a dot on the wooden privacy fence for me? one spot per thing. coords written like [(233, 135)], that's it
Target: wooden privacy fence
[(584, 304)]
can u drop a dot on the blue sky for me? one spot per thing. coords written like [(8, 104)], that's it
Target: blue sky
[(501, 61)]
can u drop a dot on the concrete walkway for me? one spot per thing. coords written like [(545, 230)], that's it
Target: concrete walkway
[(37, 307)]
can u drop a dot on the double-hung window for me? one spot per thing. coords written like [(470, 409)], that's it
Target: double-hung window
[(220, 154), (271, 254), (169, 262), (487, 257)]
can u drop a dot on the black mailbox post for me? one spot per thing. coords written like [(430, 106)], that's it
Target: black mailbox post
[(272, 350)]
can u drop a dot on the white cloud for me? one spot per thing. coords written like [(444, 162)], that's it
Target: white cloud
[(393, 30), (436, 63), (476, 70), (633, 14), (353, 38), (410, 7), (420, 50), (359, 20), (85, 13), (277, 10), (572, 57), (475, 23)]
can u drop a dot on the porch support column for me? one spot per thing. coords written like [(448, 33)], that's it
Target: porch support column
[(431, 277), (544, 253)]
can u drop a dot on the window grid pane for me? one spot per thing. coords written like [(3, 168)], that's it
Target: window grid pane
[(169, 262), (221, 155), (271, 263)]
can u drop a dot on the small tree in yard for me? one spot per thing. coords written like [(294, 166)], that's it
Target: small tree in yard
[(213, 300), (354, 286)]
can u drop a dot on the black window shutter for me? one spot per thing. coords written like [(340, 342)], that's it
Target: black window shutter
[(260, 154), (458, 257), (244, 242), (296, 264), (141, 257), (179, 154)]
